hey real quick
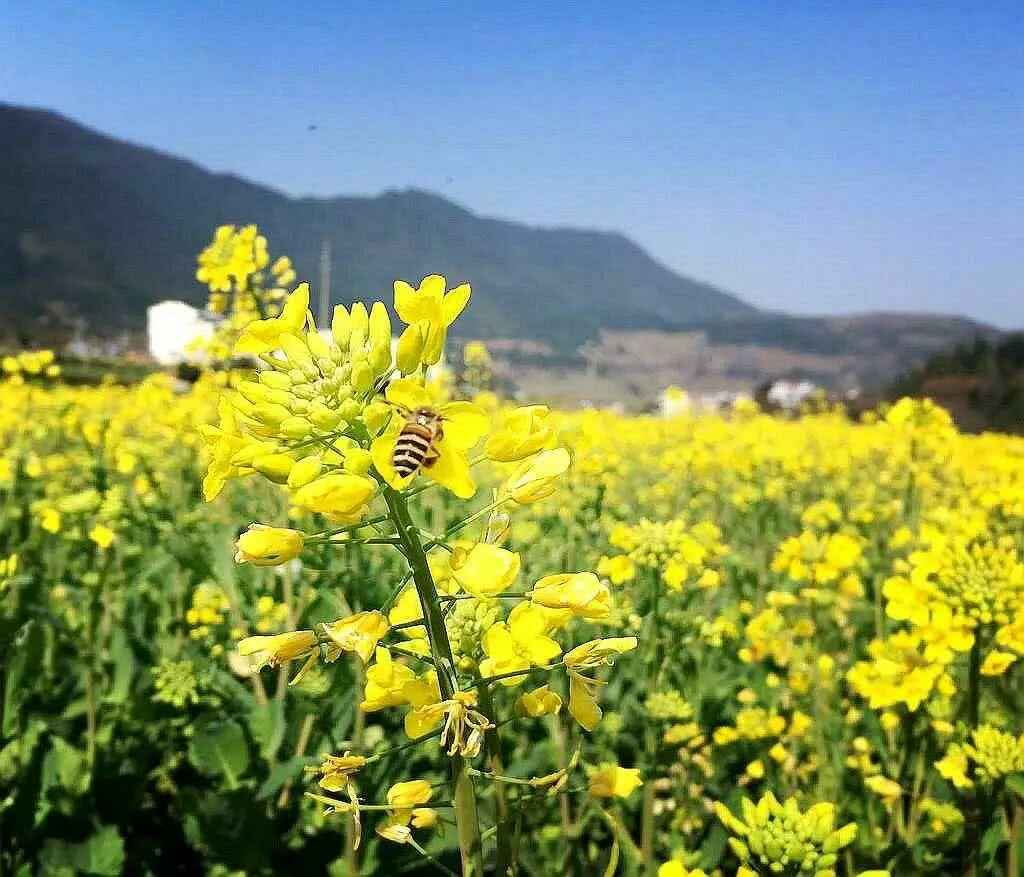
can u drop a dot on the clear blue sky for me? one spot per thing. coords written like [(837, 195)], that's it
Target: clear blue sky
[(812, 157)]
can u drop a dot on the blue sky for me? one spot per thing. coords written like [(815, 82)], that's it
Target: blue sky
[(810, 157)]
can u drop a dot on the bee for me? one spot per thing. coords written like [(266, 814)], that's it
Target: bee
[(416, 446)]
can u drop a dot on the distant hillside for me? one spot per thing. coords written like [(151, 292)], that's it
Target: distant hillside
[(93, 230), (981, 383), (97, 228)]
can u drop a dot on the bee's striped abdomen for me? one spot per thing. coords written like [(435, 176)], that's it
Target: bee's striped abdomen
[(414, 446)]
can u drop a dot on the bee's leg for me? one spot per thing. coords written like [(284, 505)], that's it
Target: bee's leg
[(431, 458)]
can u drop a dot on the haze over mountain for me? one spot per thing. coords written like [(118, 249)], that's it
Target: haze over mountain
[(94, 229), (107, 227)]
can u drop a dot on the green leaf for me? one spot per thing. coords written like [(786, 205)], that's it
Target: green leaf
[(267, 726), (65, 774), (992, 840), (286, 770), (25, 656), (101, 855), (220, 749), (713, 847), (123, 659), (1015, 782)]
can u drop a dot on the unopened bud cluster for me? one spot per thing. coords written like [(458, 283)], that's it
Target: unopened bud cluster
[(780, 839)]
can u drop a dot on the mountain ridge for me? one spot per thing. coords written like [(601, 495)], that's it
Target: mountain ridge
[(93, 229), (137, 216)]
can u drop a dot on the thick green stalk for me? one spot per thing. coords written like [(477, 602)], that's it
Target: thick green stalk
[(463, 791), (974, 818), (503, 864), (647, 826)]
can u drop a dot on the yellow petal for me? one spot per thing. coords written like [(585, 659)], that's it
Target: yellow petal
[(582, 704), (408, 393), (464, 424), (455, 303), (452, 471)]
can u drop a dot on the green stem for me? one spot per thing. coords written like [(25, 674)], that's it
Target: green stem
[(464, 793), (647, 827), (973, 821), (503, 854)]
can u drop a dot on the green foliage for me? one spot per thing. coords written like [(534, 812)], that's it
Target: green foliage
[(101, 855)]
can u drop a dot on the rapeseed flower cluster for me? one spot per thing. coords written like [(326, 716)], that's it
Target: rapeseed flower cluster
[(322, 418)]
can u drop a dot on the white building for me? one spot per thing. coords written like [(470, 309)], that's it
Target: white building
[(790, 395), (171, 327)]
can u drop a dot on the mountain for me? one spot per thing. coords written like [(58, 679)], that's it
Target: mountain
[(93, 230), (96, 228)]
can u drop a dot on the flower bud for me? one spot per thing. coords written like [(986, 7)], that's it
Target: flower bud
[(275, 467), (375, 415), (295, 427), (341, 327), (268, 546), (338, 494), (273, 651), (380, 326), (275, 380), (410, 348), (304, 471), (409, 794), (358, 460), (362, 375), (323, 417), (298, 354), (739, 848), (271, 414), (360, 321)]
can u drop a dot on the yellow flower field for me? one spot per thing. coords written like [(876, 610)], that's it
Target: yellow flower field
[(241, 638)]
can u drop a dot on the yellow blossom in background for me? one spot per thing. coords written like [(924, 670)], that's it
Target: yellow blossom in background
[(675, 868), (102, 535), (612, 781), (997, 663)]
